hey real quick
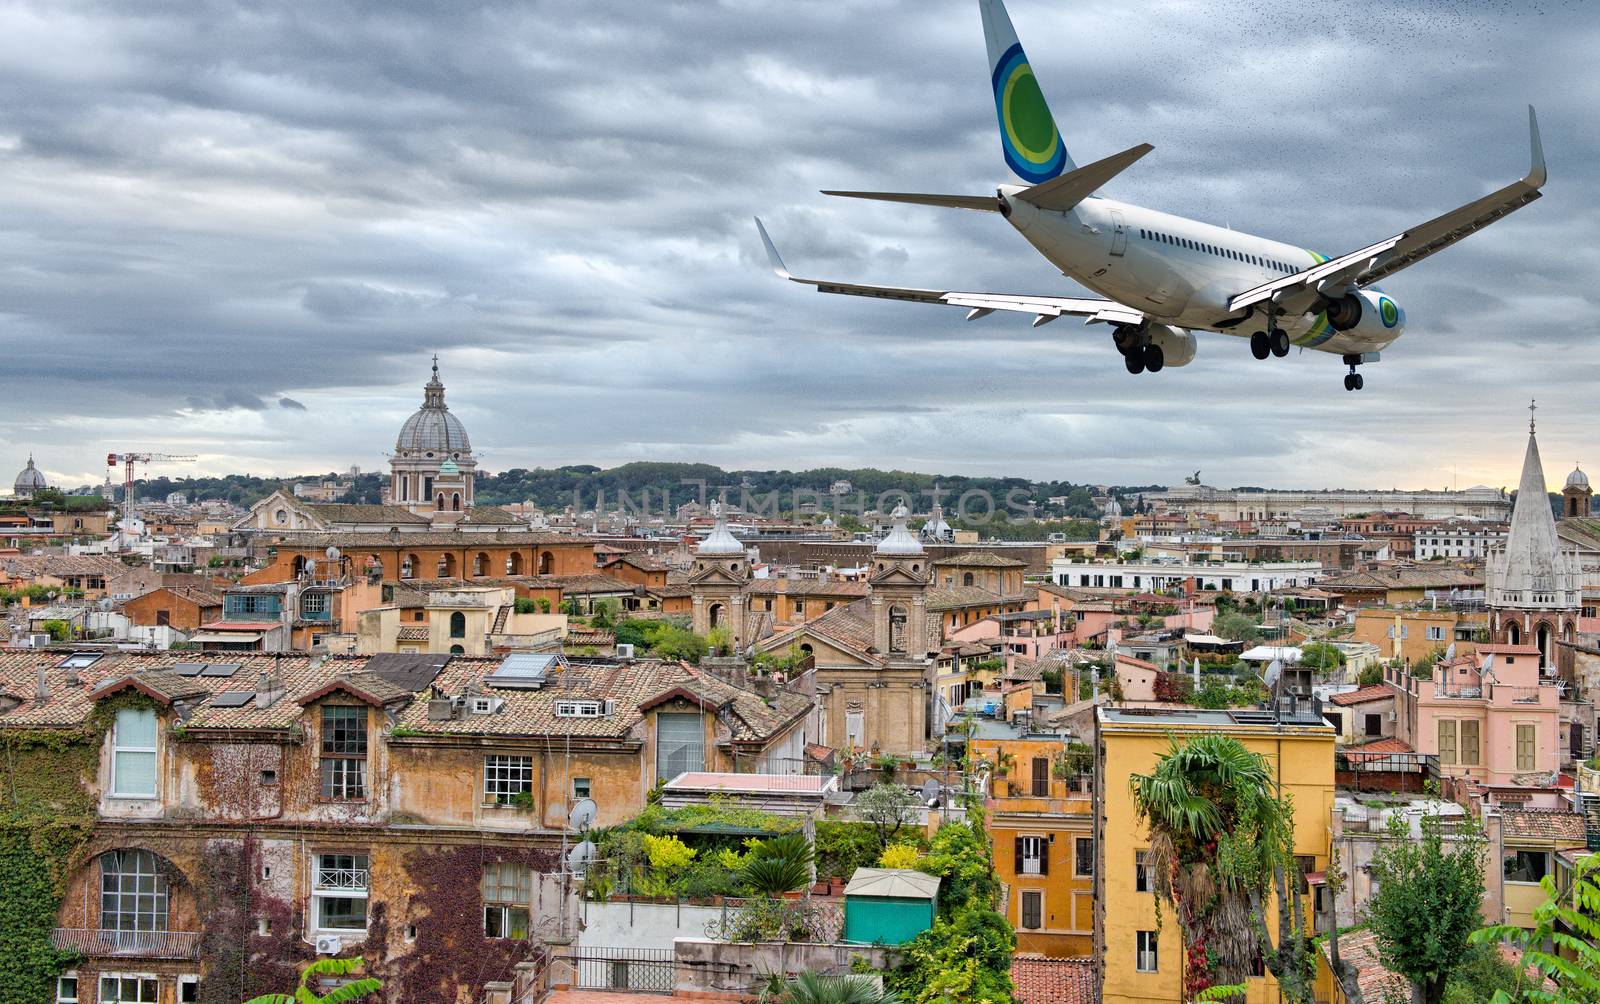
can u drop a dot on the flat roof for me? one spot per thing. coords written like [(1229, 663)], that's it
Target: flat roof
[(754, 784), (1216, 719)]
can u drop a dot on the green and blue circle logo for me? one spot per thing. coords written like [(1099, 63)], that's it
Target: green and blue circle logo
[(1388, 311), (1028, 135)]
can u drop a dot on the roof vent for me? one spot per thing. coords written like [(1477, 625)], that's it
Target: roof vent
[(441, 709)]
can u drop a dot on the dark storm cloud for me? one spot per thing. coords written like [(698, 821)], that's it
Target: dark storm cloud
[(209, 207)]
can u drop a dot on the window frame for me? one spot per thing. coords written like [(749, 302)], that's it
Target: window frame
[(1078, 859), (1515, 855), (1023, 896), (342, 770), (503, 906), (1532, 732), (120, 749), (142, 980), (360, 864), (1462, 746), (61, 994), (500, 779), (1447, 726), (122, 880), (1146, 952), (1141, 871), (1041, 860), (587, 787)]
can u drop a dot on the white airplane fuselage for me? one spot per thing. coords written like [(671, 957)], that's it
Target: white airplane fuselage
[(1182, 272)]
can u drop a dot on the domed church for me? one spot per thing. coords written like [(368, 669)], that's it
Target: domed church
[(30, 480), (432, 468)]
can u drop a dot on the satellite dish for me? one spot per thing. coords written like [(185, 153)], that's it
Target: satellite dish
[(1273, 672), (930, 791), (581, 816), (1450, 653), (581, 854)]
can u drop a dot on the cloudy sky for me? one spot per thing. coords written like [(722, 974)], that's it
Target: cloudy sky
[(240, 229)]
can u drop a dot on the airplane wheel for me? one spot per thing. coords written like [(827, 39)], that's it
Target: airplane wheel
[(1280, 343), (1259, 346), (1134, 360), (1349, 381), (1154, 358), (1359, 381)]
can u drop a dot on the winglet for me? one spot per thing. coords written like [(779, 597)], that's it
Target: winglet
[(772, 252), (1537, 175)]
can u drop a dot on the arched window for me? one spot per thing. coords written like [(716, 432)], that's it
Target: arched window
[(714, 616), (966, 579), (133, 891), (457, 650), (458, 624), (480, 564), (547, 563), (455, 502), (514, 563), (1513, 634), (897, 629), (447, 566), (440, 504), (299, 565), (1542, 640)]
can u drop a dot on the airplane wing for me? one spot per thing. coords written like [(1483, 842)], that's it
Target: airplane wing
[(1044, 308), (1377, 261)]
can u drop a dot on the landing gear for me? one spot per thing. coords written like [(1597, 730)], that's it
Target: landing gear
[(1143, 358), (1134, 360), (1154, 358), (1352, 379), (1269, 343)]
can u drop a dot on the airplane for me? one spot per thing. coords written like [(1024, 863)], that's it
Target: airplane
[(1165, 277)]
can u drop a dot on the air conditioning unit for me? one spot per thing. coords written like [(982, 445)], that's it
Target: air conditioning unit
[(625, 651), (329, 944), (1392, 716), (38, 641), (610, 707)]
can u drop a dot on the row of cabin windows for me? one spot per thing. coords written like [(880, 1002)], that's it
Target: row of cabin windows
[(1222, 252)]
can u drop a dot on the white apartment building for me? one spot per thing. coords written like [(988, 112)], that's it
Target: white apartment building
[(1236, 576)]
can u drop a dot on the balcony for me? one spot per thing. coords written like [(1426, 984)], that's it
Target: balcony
[(127, 944)]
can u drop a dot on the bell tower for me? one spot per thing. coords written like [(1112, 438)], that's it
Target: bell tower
[(898, 592), (721, 569), (1576, 496)]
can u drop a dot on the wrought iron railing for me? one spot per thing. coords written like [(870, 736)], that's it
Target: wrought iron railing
[(127, 944), (642, 970)]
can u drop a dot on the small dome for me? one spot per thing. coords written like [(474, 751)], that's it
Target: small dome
[(449, 467), (899, 541), (1577, 479), (720, 541), (432, 429), (30, 480)]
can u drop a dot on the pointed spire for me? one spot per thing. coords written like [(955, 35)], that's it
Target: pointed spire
[(433, 390)]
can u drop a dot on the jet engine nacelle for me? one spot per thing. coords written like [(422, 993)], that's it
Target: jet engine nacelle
[(1366, 312), (1177, 345)]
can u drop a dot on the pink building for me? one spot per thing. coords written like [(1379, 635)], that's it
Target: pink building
[(1489, 716)]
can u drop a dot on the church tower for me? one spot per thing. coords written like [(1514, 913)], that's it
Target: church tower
[(1534, 585), (1576, 495), (898, 592), (717, 580)]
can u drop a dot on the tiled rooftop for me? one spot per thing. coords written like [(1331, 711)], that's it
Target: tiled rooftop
[(1038, 980)]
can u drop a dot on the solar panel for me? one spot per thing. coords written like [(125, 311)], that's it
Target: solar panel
[(221, 669), (232, 699), (188, 668)]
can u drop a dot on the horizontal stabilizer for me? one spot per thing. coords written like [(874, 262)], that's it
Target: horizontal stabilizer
[(982, 203), (1061, 194)]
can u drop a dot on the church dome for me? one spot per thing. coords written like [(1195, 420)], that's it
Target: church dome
[(720, 541), (30, 480), (899, 540), (1577, 479), (432, 429)]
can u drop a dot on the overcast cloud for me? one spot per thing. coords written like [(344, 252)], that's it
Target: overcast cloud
[(239, 230)]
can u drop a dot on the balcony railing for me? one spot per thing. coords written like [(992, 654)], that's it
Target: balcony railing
[(342, 879), (127, 944)]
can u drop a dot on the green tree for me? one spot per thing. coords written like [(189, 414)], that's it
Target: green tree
[(1321, 657), (1222, 843), (1236, 626), (672, 642), (887, 808), (1564, 943), (1371, 676), (1429, 901), (605, 613), (335, 968)]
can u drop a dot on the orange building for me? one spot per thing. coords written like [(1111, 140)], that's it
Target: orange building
[(184, 608)]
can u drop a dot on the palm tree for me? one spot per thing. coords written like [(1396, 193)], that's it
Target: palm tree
[(1220, 837), (811, 988), (352, 991)]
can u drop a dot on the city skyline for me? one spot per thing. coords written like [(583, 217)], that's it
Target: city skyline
[(250, 258)]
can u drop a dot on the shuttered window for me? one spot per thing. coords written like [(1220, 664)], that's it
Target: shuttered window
[(1033, 856), (1447, 742), (1041, 777), (1469, 744), (1525, 747)]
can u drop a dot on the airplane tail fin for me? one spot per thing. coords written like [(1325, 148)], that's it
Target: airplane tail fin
[(1032, 144)]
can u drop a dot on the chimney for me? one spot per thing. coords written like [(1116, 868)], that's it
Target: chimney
[(44, 687)]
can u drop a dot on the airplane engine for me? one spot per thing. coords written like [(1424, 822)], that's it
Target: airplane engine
[(1177, 345), (1366, 312)]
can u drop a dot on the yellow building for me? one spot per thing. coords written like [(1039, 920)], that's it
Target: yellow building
[(1141, 958), (1410, 634), (1041, 828)]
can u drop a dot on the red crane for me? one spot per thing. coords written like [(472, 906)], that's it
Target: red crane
[(128, 460)]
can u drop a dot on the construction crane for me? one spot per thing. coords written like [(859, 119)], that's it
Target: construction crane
[(127, 460)]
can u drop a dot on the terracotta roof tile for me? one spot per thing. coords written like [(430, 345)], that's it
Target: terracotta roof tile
[(1543, 823), (1375, 692), (980, 559), (1038, 980), (956, 597)]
